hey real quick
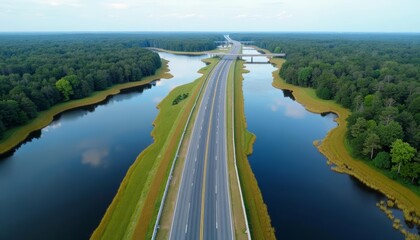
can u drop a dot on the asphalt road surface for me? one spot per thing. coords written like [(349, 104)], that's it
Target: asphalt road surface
[(203, 207)]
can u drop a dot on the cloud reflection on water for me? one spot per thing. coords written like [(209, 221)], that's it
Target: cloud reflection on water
[(52, 126), (95, 157), (291, 109), (93, 153)]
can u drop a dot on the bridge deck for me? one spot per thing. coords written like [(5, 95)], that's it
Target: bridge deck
[(249, 54)]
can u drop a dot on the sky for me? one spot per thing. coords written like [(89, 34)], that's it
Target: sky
[(211, 15)]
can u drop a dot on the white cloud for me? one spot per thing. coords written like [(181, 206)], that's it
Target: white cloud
[(57, 3), (210, 15), (284, 15), (118, 6)]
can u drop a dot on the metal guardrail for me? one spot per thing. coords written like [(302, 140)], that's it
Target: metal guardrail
[(156, 227)]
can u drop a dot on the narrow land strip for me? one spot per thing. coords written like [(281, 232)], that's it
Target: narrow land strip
[(259, 219), (15, 136)]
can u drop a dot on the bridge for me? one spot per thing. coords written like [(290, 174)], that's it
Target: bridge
[(241, 55), (227, 42)]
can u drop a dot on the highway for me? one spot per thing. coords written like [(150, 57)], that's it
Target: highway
[(203, 207)]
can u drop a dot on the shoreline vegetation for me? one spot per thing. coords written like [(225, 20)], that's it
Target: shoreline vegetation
[(133, 211), (18, 135), (334, 148)]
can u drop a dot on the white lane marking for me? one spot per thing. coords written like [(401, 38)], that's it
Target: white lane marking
[(192, 184), (186, 228), (216, 157), (195, 160), (198, 146), (215, 191), (216, 213)]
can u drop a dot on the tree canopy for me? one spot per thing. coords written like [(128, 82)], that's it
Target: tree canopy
[(39, 71)]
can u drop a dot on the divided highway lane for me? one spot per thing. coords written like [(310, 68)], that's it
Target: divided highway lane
[(203, 207)]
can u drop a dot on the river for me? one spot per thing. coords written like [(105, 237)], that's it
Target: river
[(59, 184), (305, 199)]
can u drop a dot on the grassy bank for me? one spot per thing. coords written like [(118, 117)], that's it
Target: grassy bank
[(133, 211), (258, 217), (15, 136), (334, 148)]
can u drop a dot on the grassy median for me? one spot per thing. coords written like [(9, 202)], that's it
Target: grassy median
[(15, 136), (334, 148), (133, 211), (258, 217)]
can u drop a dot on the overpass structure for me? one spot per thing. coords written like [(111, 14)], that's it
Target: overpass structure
[(241, 55), (227, 42)]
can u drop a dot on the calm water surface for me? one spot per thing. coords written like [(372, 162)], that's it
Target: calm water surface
[(305, 199), (59, 185)]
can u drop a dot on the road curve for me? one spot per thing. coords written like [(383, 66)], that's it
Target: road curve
[(203, 207)]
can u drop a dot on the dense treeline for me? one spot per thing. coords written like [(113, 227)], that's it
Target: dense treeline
[(377, 76), (37, 72), (181, 42)]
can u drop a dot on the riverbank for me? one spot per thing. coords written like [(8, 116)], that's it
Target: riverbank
[(13, 137), (133, 211), (334, 148), (257, 213)]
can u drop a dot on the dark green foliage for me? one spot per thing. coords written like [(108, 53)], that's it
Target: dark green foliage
[(179, 98), (191, 42), (2, 128), (382, 160), (389, 133), (39, 71), (377, 76)]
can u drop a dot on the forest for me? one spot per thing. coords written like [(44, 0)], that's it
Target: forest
[(38, 71), (377, 76)]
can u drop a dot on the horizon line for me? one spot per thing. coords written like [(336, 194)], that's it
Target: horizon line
[(200, 31)]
